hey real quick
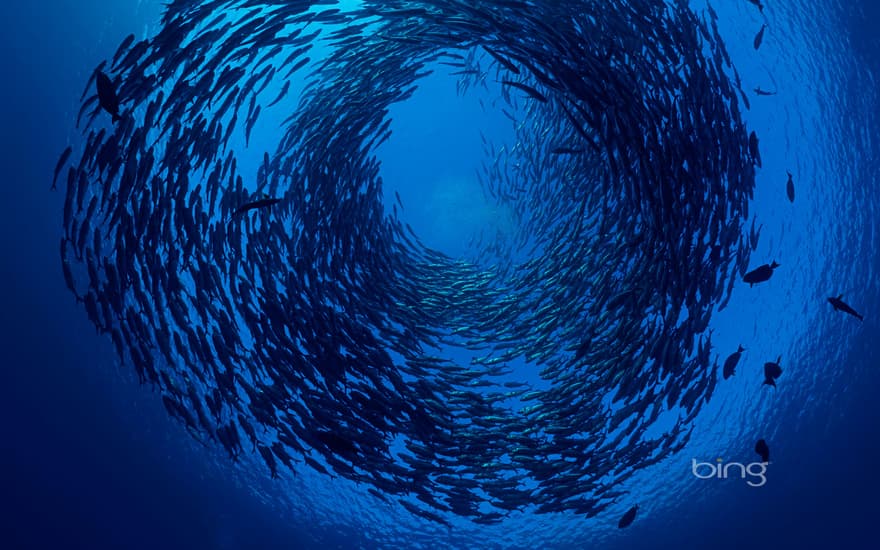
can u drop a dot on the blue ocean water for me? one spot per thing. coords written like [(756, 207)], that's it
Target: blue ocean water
[(92, 460)]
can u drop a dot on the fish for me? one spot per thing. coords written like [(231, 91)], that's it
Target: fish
[(839, 305), (730, 363), (762, 92), (531, 92), (789, 187), (760, 274), (317, 335), (754, 151), (627, 518), (262, 203), (107, 97), (758, 4), (759, 38), (772, 371), (62, 160), (763, 450)]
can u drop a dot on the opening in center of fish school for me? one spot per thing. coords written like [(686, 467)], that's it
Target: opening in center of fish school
[(414, 274)]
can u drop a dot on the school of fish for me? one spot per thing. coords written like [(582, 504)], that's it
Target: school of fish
[(288, 312)]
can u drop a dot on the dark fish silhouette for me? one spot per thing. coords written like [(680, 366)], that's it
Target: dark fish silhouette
[(763, 449), (254, 205), (772, 371), (61, 161), (731, 362), (627, 518), (753, 149), (759, 5), (760, 37), (839, 305), (107, 97), (789, 187), (760, 274), (759, 91)]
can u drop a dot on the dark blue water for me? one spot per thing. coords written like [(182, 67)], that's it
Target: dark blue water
[(91, 460)]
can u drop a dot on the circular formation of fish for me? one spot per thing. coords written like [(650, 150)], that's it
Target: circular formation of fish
[(286, 313)]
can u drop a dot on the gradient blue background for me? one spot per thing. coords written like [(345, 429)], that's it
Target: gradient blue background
[(91, 460)]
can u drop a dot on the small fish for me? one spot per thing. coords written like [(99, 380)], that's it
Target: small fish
[(731, 362), (254, 205), (789, 187), (759, 5), (839, 305), (763, 449), (759, 38), (531, 92), (760, 274), (772, 371), (566, 151), (61, 162), (754, 151), (759, 91), (627, 518), (107, 97)]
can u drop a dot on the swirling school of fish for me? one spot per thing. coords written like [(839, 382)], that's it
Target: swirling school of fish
[(287, 313)]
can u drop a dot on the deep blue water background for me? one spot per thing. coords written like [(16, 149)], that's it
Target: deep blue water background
[(91, 460)]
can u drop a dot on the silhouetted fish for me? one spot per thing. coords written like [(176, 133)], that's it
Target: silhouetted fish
[(628, 517), (839, 305), (772, 371), (731, 362), (760, 274), (253, 205), (60, 164), (763, 449), (107, 95), (759, 91), (754, 150), (789, 187), (758, 4), (760, 37)]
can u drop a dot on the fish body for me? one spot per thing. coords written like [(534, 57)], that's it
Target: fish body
[(772, 371), (760, 274), (627, 518), (839, 305), (107, 97), (255, 205), (763, 449), (759, 38), (731, 362)]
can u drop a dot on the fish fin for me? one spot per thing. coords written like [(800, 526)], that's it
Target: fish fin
[(840, 297)]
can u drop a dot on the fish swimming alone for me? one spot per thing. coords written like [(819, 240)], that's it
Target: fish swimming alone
[(839, 305), (107, 97), (759, 38), (763, 449), (731, 362), (627, 518), (789, 187), (772, 371), (760, 274), (761, 91)]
